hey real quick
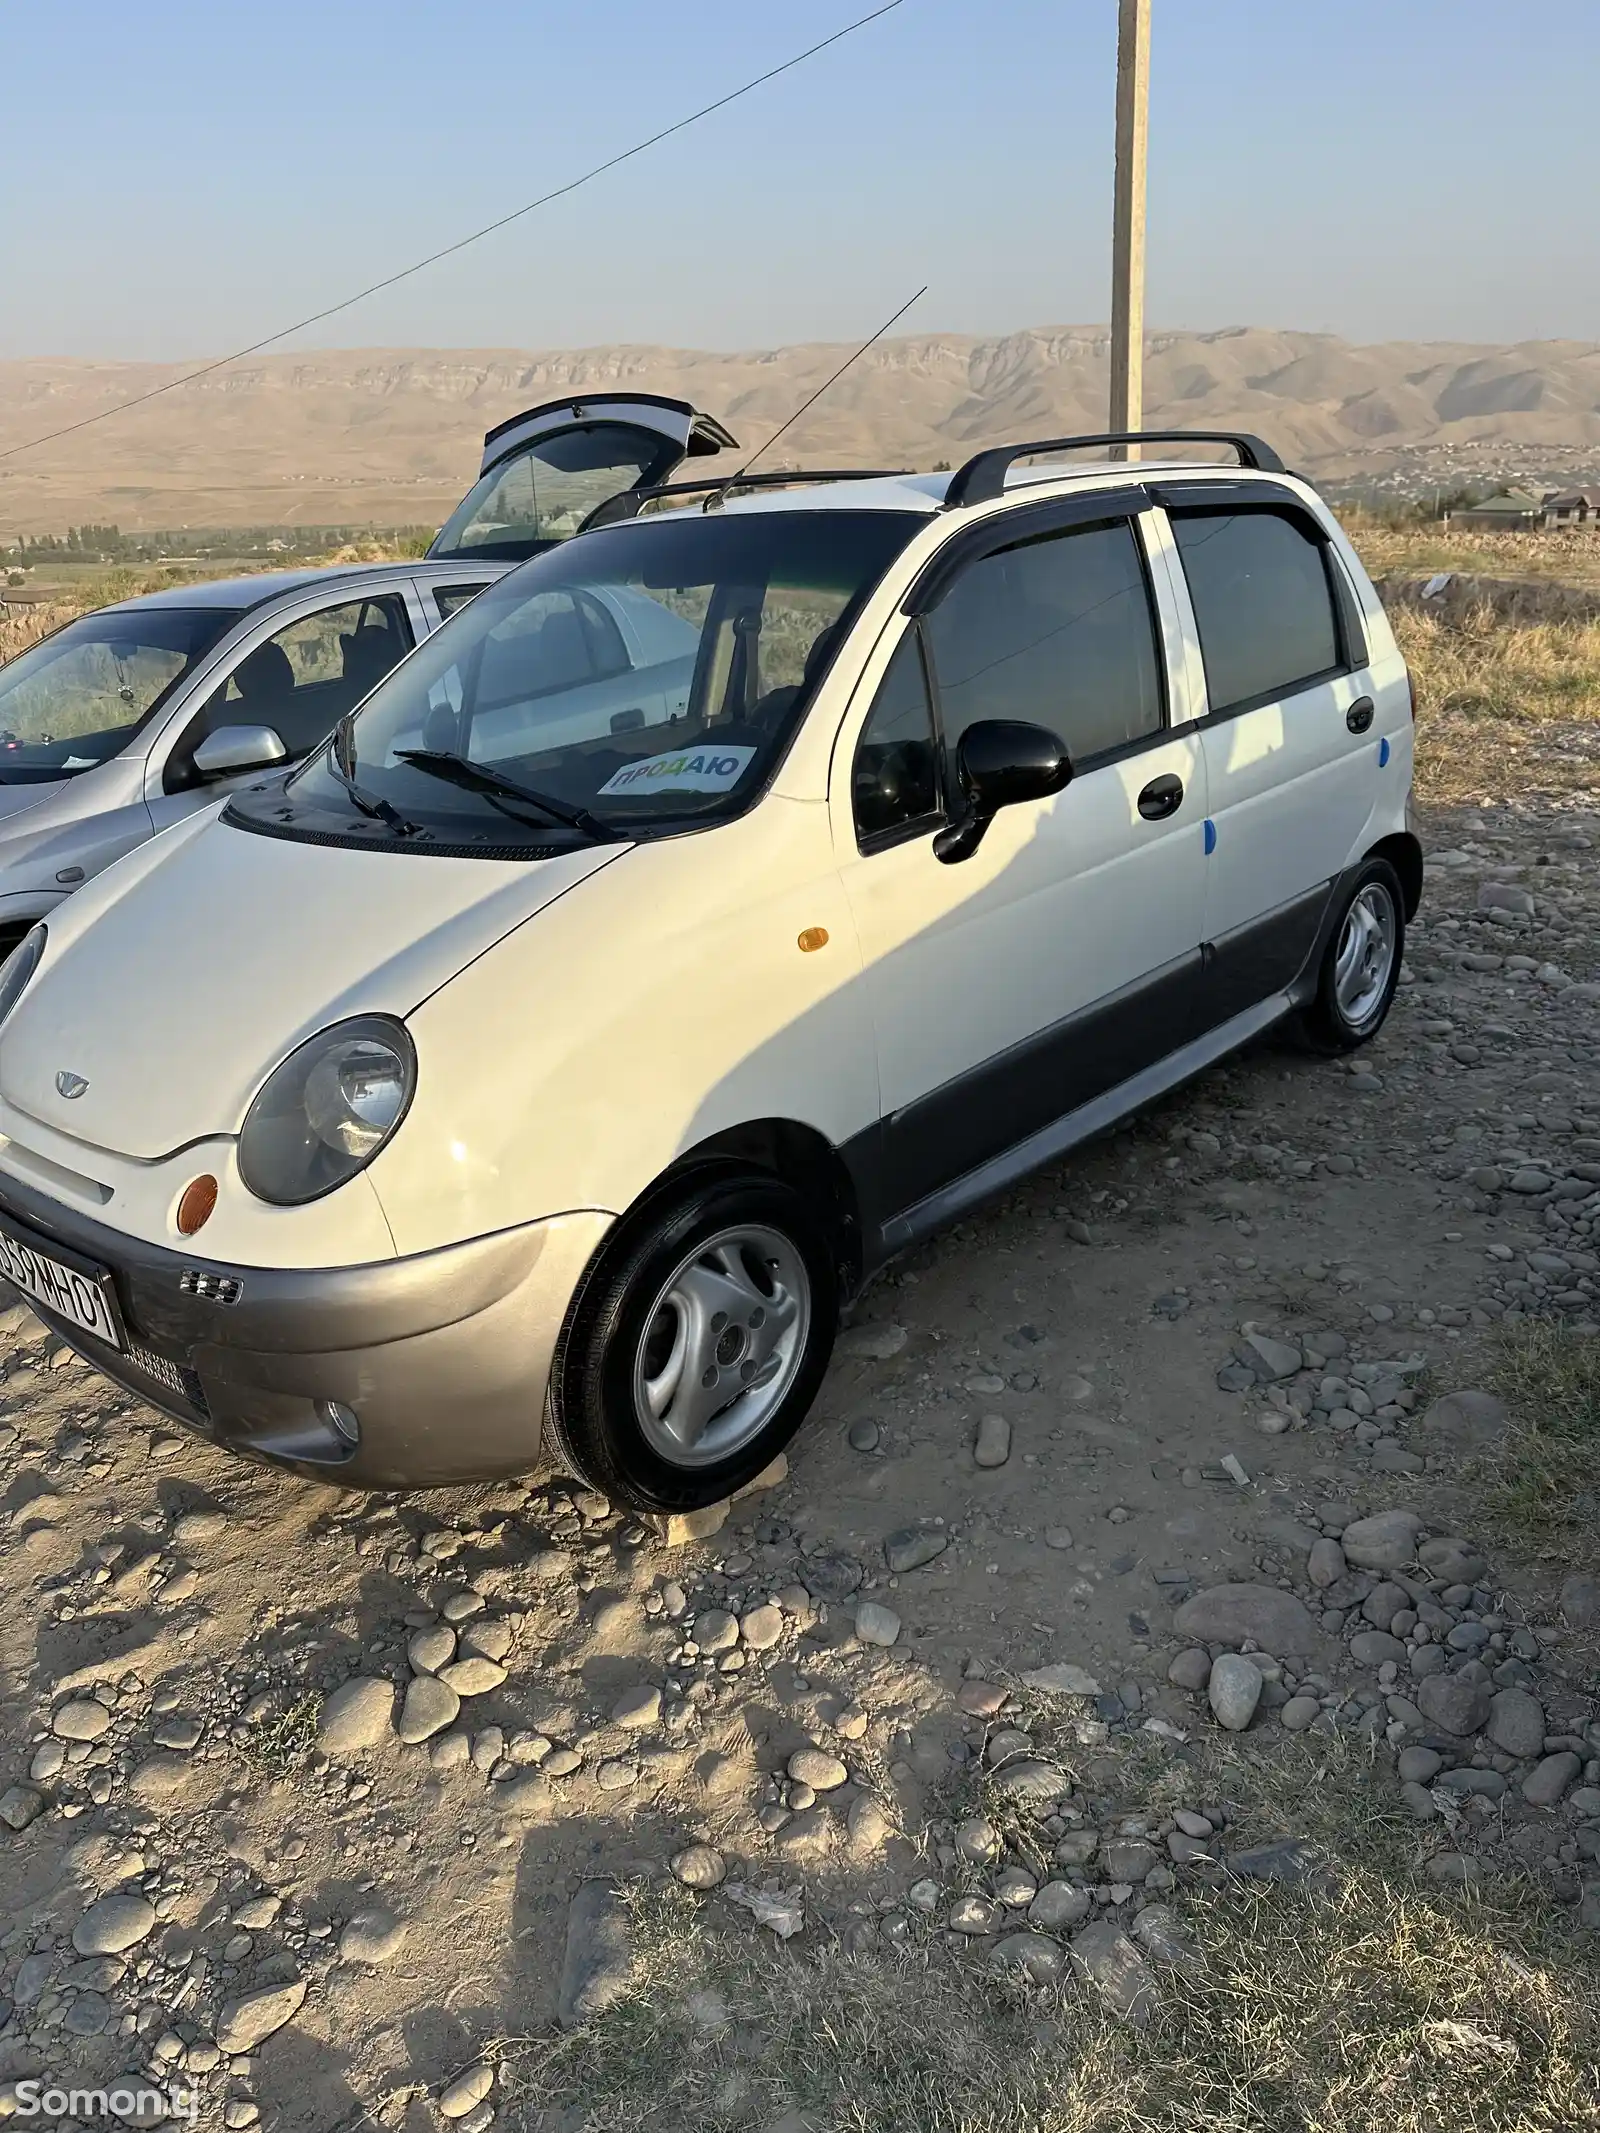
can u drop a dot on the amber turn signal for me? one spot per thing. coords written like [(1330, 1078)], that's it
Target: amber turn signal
[(813, 938), (194, 1209)]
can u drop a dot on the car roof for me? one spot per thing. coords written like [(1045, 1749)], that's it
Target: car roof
[(925, 493), (265, 586)]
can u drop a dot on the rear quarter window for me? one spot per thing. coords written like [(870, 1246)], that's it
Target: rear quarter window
[(1263, 603)]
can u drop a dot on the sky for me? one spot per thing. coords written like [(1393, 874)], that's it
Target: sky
[(180, 179)]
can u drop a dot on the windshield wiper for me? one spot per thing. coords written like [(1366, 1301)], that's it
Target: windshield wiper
[(474, 777), (368, 803)]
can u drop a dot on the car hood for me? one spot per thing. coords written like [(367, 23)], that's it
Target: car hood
[(174, 983), (14, 799)]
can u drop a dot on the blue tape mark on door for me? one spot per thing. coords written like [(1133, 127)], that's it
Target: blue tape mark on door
[(1383, 753), (1211, 837)]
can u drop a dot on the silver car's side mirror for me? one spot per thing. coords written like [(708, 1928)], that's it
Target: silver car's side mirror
[(232, 748)]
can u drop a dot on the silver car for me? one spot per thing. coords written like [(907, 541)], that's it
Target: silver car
[(131, 717)]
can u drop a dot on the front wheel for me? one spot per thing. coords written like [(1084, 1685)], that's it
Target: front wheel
[(1361, 965), (697, 1344)]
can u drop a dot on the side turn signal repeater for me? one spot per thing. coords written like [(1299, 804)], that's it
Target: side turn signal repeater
[(194, 1209), (812, 939)]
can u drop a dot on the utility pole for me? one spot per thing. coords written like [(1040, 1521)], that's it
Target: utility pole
[(1127, 222)]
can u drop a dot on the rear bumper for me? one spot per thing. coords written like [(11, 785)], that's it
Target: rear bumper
[(443, 1360)]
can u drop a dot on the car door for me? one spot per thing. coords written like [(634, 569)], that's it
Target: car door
[(1012, 987), (1292, 760), (298, 676)]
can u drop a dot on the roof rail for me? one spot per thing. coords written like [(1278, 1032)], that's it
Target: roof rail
[(983, 477), (630, 502)]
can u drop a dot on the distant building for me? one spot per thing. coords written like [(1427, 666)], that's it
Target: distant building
[(1511, 509), (1572, 507)]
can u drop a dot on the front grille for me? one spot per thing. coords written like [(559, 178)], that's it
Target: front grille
[(172, 1377)]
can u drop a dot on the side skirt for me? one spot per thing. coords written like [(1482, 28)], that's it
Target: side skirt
[(1075, 1127)]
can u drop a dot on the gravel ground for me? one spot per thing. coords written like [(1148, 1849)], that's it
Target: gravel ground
[(315, 1800)]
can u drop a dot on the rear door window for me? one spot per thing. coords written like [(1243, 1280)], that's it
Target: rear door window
[(1057, 631), (447, 598), (1263, 602)]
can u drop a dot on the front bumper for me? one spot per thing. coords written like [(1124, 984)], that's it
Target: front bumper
[(443, 1359)]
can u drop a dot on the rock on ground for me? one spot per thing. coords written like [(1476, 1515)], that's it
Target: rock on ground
[(698, 1866), (598, 1962), (467, 2091), (1385, 1541), (1030, 1954), (429, 1707), (1228, 1614), (1458, 1706), (876, 1624), (371, 1936), (20, 1805), (246, 2021), (1548, 1780), (993, 1445), (1580, 1600), (1516, 1722), (1294, 1861), (1114, 1966), (1062, 1679), (912, 1546), (113, 1923), (1234, 1691), (357, 1715)]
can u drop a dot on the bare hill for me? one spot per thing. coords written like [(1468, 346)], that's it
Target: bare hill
[(390, 436)]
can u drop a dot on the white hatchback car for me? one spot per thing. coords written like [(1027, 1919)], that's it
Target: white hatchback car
[(722, 900)]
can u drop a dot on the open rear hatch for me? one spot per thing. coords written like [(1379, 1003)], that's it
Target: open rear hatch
[(545, 470)]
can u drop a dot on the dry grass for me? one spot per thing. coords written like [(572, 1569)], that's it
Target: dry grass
[(1382, 2004), (1503, 704), (1545, 1475), (1570, 555), (20, 627)]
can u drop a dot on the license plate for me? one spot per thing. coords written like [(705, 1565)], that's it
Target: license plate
[(81, 1294)]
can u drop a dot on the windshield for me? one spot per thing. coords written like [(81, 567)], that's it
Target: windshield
[(546, 492), (78, 697), (645, 677)]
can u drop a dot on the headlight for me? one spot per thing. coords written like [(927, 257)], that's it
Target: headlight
[(19, 967), (324, 1114)]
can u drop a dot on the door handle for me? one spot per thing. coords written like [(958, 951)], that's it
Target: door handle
[(1163, 796), (1359, 716)]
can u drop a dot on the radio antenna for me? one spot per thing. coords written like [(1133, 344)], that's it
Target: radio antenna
[(714, 501)]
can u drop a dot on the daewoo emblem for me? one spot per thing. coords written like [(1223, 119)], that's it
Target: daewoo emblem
[(70, 1085)]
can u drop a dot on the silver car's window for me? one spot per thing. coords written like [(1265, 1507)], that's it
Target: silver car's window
[(78, 697)]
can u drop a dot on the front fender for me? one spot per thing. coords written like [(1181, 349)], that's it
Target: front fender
[(663, 1001)]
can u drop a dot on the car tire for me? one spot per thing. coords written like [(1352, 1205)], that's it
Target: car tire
[(1360, 966), (696, 1344)]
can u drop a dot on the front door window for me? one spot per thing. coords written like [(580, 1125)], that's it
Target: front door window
[(302, 679)]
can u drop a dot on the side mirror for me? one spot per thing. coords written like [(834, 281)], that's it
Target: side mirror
[(1002, 761), (232, 748)]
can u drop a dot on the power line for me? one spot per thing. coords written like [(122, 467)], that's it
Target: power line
[(373, 289)]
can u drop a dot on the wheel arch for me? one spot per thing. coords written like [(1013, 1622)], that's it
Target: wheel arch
[(1404, 853), (799, 1155)]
